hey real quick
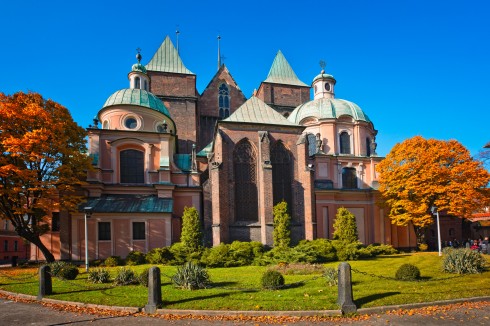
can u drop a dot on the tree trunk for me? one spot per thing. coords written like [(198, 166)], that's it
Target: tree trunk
[(420, 233), (38, 243)]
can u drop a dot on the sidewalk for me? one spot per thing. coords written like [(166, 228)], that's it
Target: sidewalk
[(23, 309)]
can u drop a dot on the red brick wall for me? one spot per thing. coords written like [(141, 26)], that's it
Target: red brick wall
[(283, 95), (179, 95), (223, 188), (209, 107), (167, 84)]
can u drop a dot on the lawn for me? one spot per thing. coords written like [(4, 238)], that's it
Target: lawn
[(239, 288)]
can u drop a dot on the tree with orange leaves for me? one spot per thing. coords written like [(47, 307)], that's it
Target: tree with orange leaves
[(42, 162), (419, 173)]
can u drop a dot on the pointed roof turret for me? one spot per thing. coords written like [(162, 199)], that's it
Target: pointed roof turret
[(282, 73), (256, 111), (167, 59)]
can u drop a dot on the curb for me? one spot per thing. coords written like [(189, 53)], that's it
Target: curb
[(297, 313)]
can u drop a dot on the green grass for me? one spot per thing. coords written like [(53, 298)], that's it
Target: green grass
[(239, 288)]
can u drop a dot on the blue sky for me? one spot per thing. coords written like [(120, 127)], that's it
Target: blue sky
[(415, 67)]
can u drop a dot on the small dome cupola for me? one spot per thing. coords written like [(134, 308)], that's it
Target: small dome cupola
[(138, 79), (323, 84)]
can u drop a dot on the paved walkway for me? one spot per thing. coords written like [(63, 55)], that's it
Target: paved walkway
[(19, 311)]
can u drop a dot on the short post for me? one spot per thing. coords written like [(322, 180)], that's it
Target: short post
[(345, 299), (154, 290), (45, 284)]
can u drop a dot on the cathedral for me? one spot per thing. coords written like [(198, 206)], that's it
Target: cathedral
[(159, 146)]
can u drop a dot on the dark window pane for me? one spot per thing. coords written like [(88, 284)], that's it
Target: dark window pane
[(344, 143), (246, 196), (139, 231), (349, 178), (104, 231), (368, 147), (132, 166), (311, 144), (55, 222), (281, 174)]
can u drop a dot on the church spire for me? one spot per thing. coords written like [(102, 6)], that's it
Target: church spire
[(177, 32), (219, 53)]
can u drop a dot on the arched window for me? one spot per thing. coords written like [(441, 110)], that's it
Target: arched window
[(245, 168), (137, 82), (281, 174), (368, 146), (145, 85), (224, 101), (105, 125), (132, 166), (344, 143), (349, 178)]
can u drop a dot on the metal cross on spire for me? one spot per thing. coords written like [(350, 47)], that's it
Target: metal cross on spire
[(219, 54), (323, 64)]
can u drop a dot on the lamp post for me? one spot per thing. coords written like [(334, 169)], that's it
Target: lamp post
[(88, 212), (433, 209)]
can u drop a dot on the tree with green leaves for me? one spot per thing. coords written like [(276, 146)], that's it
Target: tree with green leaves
[(282, 222), (345, 227), (191, 236), (43, 161)]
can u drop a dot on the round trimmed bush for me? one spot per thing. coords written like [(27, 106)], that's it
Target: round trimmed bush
[(408, 272), (68, 272), (272, 280)]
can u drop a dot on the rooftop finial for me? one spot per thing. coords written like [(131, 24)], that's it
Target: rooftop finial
[(177, 32), (322, 65), (219, 54), (138, 55)]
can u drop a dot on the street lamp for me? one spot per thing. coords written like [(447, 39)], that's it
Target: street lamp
[(434, 210), (88, 212)]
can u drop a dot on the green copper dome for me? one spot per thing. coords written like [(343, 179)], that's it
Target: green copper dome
[(139, 97), (327, 108), (139, 68), (322, 75)]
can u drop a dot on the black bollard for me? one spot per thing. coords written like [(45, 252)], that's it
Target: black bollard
[(345, 300), (45, 284), (154, 290)]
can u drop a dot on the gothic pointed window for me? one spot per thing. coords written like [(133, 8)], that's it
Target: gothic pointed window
[(245, 169), (132, 166), (281, 174), (349, 178), (344, 143), (224, 101)]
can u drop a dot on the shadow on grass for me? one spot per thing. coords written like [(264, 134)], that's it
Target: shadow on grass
[(222, 284), (362, 301), (221, 295), (392, 256)]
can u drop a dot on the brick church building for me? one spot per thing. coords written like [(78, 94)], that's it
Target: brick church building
[(159, 146)]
